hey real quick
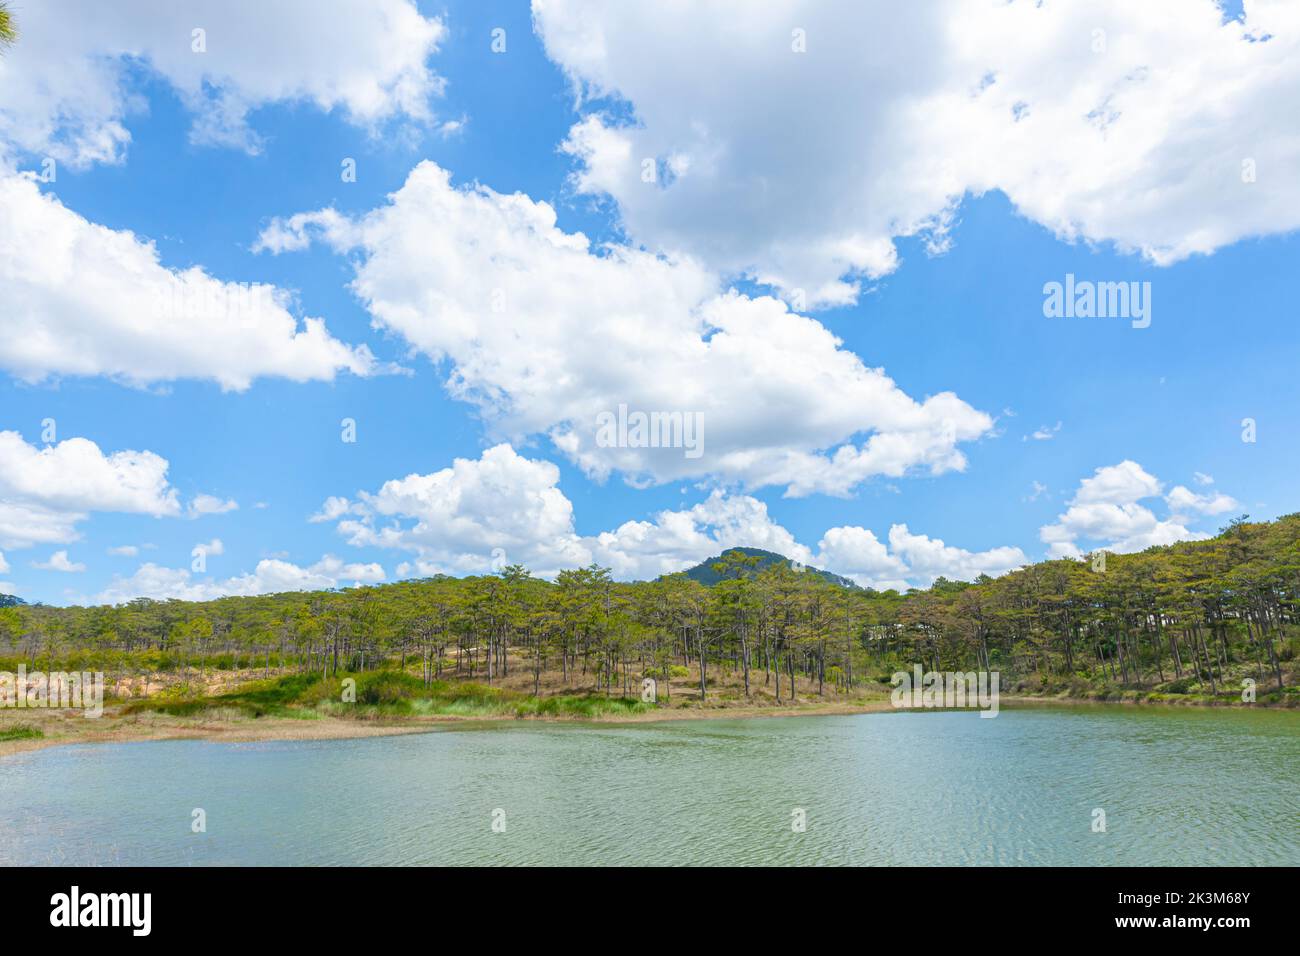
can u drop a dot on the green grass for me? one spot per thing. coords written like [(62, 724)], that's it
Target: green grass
[(21, 732), (385, 693)]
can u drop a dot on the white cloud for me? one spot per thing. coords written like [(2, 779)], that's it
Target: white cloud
[(4, 565), (58, 561), (271, 576), (676, 540), (909, 560), (211, 549), (857, 553), (929, 558), (81, 299), (1106, 511), (65, 92), (453, 521), (75, 475), (460, 515), (333, 509), (1117, 484), (1103, 120), (23, 524), (1202, 478), (45, 492), (1044, 432), (211, 505), (1182, 499), (488, 281)]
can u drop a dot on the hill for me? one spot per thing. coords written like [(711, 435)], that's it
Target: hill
[(707, 573)]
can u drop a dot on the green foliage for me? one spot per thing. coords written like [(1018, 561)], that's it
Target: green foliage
[(382, 693), (8, 31), (21, 732), (1190, 620), (748, 562)]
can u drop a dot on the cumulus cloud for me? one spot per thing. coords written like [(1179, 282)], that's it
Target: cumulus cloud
[(453, 521), (272, 576), (929, 558), (676, 540), (211, 505), (124, 551), (66, 92), (1107, 512), (82, 299), (1183, 500), (213, 548), (23, 524), (4, 565), (544, 333), (45, 492), (459, 516), (1117, 485), (75, 475), (857, 553), (1149, 125), (58, 561), (333, 509)]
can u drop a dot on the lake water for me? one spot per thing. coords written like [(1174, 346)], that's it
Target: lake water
[(1177, 787)]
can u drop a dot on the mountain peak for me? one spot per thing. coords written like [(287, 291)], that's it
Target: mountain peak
[(707, 572)]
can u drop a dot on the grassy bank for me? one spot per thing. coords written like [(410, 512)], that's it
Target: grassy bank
[(385, 694), (242, 705), (302, 706)]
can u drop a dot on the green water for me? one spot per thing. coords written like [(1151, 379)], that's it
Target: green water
[(1177, 786)]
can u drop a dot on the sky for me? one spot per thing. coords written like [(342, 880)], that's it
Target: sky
[(292, 300)]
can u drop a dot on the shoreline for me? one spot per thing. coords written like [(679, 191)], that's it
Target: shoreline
[(116, 729)]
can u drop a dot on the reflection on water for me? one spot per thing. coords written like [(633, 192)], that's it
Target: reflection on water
[(1177, 787)]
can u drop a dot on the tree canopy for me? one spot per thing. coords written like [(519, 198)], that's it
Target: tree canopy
[(1204, 613)]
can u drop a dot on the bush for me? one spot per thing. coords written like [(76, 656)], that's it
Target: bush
[(388, 687)]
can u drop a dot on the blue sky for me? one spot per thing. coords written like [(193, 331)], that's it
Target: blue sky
[(1126, 416)]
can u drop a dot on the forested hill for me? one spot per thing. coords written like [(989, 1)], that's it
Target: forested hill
[(748, 562), (9, 600), (1199, 617)]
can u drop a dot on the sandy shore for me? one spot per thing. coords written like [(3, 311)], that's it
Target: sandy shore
[(69, 727), (74, 729)]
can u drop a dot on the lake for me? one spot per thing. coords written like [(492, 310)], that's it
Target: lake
[(1181, 787)]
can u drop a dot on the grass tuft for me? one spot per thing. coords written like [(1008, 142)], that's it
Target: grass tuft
[(21, 732)]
